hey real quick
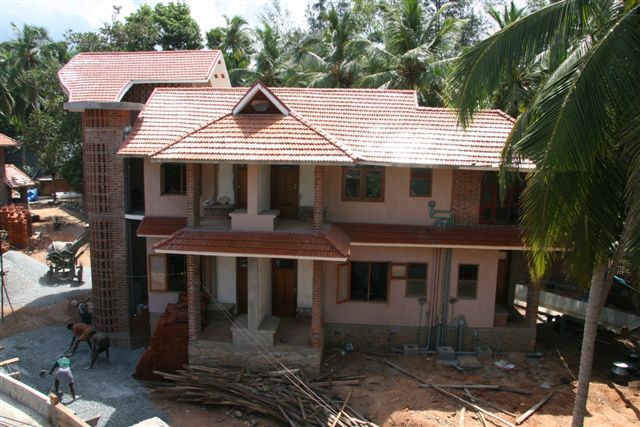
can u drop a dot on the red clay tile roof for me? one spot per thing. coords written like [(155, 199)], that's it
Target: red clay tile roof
[(105, 76), (155, 226), (6, 141), (255, 137), (370, 125), (15, 178), (415, 235), (257, 243)]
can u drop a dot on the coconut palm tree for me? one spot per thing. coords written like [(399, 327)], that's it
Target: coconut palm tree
[(582, 130), (234, 40), (508, 15), (269, 63), (327, 60), (413, 55)]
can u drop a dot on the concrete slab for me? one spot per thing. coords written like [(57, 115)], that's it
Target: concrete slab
[(469, 362)]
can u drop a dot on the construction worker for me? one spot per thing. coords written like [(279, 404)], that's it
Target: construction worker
[(63, 375), (99, 343), (81, 332)]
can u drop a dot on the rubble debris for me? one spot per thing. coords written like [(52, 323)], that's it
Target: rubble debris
[(505, 364), (284, 396)]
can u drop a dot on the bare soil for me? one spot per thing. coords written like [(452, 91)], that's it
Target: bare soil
[(390, 398)]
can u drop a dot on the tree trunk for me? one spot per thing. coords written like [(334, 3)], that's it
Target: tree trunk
[(53, 188), (598, 292), (533, 301)]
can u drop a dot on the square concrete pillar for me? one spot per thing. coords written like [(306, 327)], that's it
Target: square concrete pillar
[(258, 291)]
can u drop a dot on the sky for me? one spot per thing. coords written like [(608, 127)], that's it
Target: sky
[(57, 16)]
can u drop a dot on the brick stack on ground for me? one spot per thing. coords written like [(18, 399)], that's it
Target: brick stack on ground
[(16, 220), (169, 349)]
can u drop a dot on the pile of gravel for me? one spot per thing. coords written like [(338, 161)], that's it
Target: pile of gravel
[(108, 389), (28, 286)]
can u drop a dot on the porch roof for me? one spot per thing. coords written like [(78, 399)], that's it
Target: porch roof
[(480, 237), (160, 226), (6, 141), (15, 178), (278, 244)]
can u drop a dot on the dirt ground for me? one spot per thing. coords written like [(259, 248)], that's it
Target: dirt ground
[(390, 398)]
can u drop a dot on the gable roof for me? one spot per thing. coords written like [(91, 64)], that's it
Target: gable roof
[(106, 76), (259, 87), (368, 125), (6, 141), (15, 178)]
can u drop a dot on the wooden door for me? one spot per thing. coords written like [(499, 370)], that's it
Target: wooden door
[(284, 190), (241, 285), (284, 284), (502, 284), (240, 180)]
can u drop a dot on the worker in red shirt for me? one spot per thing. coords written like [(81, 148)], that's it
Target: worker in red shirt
[(81, 332)]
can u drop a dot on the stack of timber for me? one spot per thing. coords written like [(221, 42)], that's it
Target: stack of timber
[(283, 395)]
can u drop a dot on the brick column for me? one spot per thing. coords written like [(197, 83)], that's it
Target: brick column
[(316, 306), (193, 195), (194, 282), (104, 202), (318, 197), (4, 190)]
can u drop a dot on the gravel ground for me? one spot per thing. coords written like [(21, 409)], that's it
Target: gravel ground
[(107, 389), (28, 286)]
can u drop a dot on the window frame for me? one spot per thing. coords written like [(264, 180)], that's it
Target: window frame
[(183, 179), (362, 191), (346, 287), (468, 281), (428, 175), (169, 287), (155, 285), (489, 183), (424, 279)]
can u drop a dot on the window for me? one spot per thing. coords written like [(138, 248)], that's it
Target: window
[(363, 281), (364, 184), (416, 280), (467, 281), (173, 178), (176, 276), (492, 210), (420, 185)]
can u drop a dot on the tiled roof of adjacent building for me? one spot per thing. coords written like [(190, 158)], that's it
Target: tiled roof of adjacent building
[(15, 178), (365, 125), (6, 141), (160, 226), (106, 76), (415, 235), (256, 243)]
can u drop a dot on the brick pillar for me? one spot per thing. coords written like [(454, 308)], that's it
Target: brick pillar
[(316, 306), (4, 190), (104, 202), (194, 282), (193, 195), (318, 197)]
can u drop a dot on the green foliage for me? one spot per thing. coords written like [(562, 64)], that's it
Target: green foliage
[(178, 30), (234, 40), (142, 29)]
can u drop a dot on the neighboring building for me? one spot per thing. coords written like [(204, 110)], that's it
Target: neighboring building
[(316, 216), (12, 177)]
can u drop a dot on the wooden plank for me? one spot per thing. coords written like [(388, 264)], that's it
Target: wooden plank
[(522, 418), (461, 419), (344, 404), (473, 400), (9, 361)]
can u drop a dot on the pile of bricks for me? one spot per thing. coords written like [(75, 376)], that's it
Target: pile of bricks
[(16, 220)]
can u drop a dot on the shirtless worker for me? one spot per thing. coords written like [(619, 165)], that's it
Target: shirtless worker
[(81, 332)]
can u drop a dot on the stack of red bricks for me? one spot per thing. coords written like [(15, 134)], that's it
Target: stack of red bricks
[(168, 351), (16, 220)]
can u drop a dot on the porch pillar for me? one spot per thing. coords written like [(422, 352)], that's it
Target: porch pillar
[(193, 194), (194, 283), (318, 197), (316, 306)]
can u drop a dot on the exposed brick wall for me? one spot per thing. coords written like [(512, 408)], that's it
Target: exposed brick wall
[(318, 197), (193, 194), (194, 282), (104, 201), (316, 306), (141, 92), (4, 190), (465, 196)]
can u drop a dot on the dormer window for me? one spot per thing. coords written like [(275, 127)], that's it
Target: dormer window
[(260, 100)]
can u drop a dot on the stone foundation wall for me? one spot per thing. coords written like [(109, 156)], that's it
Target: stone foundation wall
[(213, 354), (376, 338)]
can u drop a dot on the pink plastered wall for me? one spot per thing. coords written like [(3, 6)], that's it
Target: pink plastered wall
[(397, 208), (402, 311), (157, 204)]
